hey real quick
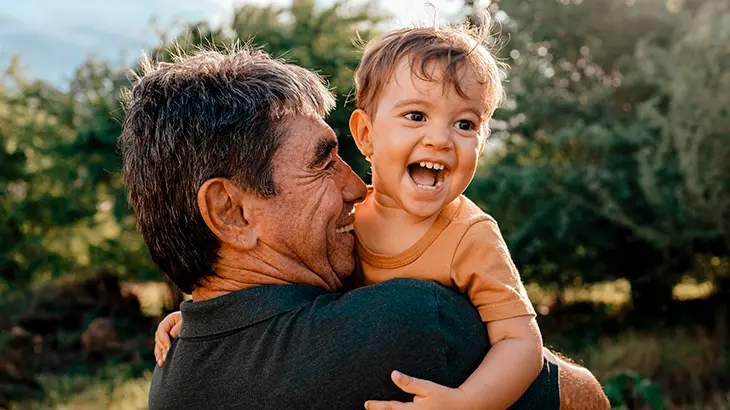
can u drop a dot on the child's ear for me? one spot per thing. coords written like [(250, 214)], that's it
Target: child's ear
[(360, 127), (481, 146), (485, 135)]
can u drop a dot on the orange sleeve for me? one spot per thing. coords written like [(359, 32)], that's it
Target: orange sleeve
[(483, 269)]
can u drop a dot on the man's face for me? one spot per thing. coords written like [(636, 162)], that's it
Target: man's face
[(426, 139), (311, 218)]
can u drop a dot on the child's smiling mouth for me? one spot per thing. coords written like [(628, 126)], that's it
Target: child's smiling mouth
[(428, 175)]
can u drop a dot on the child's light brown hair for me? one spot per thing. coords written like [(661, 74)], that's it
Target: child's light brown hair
[(451, 46)]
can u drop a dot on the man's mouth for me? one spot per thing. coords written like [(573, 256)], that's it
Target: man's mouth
[(347, 223), (346, 228), (428, 175)]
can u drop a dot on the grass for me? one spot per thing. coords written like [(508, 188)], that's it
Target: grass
[(685, 364), (113, 387)]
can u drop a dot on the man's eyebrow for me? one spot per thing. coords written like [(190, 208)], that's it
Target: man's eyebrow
[(413, 101), (322, 152)]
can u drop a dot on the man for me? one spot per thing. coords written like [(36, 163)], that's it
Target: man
[(244, 203)]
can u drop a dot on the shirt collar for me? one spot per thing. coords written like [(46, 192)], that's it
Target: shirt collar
[(243, 308)]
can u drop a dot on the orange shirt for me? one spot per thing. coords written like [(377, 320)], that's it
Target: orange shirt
[(463, 249)]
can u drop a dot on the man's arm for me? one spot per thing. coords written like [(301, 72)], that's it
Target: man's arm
[(579, 389)]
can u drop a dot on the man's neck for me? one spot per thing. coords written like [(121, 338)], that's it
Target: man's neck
[(236, 271)]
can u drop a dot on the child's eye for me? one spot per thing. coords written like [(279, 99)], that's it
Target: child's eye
[(416, 116), (464, 125)]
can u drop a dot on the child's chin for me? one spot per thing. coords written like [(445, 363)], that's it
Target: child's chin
[(424, 208)]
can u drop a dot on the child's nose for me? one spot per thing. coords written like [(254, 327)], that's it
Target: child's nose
[(439, 139)]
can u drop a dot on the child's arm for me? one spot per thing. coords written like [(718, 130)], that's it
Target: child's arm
[(509, 368), (167, 330), (483, 269)]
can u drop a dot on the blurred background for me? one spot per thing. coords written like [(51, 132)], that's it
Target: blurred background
[(608, 168)]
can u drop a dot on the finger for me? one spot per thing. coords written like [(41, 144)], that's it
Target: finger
[(414, 385), (160, 350), (385, 405), (162, 337), (167, 323), (175, 331), (159, 356)]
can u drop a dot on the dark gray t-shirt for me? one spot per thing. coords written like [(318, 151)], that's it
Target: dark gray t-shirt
[(301, 347)]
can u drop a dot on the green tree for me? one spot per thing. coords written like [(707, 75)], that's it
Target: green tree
[(583, 175), (63, 206), (62, 203)]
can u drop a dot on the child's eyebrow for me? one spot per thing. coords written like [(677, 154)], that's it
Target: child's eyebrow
[(413, 101), (477, 113)]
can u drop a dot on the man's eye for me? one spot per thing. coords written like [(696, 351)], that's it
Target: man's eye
[(416, 116), (330, 165), (464, 125)]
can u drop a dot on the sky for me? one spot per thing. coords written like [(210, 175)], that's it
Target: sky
[(53, 37)]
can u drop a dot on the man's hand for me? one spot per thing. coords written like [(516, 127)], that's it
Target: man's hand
[(429, 395), (167, 330)]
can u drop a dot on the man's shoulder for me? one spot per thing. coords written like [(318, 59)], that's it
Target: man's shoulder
[(399, 299), (400, 290), (419, 327), (401, 315)]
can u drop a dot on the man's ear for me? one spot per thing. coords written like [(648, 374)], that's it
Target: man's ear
[(225, 209), (360, 127)]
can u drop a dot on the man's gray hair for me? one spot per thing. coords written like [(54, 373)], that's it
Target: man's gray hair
[(199, 117)]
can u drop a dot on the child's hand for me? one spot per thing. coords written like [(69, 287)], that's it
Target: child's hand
[(429, 395), (167, 330)]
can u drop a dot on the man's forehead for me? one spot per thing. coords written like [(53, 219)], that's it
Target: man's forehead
[(307, 136)]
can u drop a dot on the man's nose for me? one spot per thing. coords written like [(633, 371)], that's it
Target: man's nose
[(353, 188)]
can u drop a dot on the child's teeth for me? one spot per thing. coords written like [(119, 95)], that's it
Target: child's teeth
[(431, 165)]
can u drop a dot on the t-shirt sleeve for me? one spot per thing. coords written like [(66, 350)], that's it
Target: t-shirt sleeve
[(482, 268)]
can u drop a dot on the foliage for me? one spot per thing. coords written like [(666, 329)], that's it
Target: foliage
[(686, 363), (114, 386), (610, 159), (62, 203), (637, 386)]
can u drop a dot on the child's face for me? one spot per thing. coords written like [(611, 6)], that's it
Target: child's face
[(426, 140)]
